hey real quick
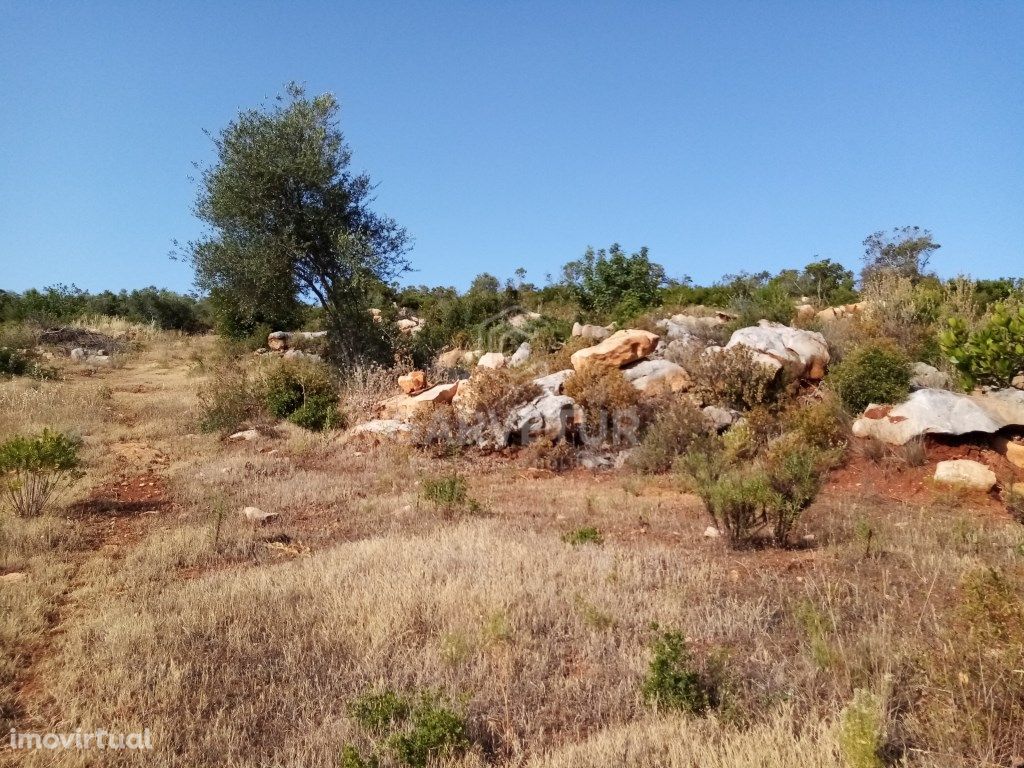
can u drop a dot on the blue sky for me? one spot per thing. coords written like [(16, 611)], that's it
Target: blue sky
[(724, 136)]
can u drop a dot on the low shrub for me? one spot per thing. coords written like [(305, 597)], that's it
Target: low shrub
[(609, 402), (822, 423), (733, 378), (586, 535), (795, 472), (435, 731), (544, 453), (673, 681), (871, 373), (449, 493), (35, 471), (993, 352), (16, 363), (860, 732), (669, 435), (229, 401), (379, 711), (305, 393), (495, 393)]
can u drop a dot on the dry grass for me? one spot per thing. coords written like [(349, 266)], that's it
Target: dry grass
[(243, 645)]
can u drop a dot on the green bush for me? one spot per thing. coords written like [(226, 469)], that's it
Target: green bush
[(228, 401), (872, 373), (586, 535), (448, 492), (668, 436), (435, 731), (351, 758), (672, 681), (35, 471), (733, 378), (377, 712), (992, 353), (305, 393), (860, 732)]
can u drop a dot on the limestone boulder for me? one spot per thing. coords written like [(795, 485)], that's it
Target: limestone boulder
[(279, 341), (941, 412), (493, 360), (403, 407), (924, 376), (683, 326), (846, 310), (553, 383), (590, 332), (413, 382), (618, 350), (547, 416), (654, 376), (803, 354), (522, 319), (965, 473), (521, 355), (1011, 449)]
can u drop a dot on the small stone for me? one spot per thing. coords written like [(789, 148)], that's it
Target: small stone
[(711, 532), (493, 360), (258, 516), (246, 434), (14, 576), (965, 473), (412, 382)]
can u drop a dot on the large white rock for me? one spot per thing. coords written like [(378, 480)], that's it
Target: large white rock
[(591, 332), (521, 355), (619, 349), (803, 354), (552, 383), (940, 412), (549, 416), (651, 376), (965, 473), (493, 360)]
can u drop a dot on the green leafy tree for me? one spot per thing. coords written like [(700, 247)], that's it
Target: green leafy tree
[(613, 283), (828, 282), (290, 222), (905, 251)]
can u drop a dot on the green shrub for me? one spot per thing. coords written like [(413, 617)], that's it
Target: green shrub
[(435, 731), (35, 471), (860, 732), (12, 362), (377, 712), (733, 378), (795, 470), (305, 393), (672, 680), (872, 373), (228, 401), (669, 435), (585, 535), (992, 353), (351, 758), (605, 396), (447, 492)]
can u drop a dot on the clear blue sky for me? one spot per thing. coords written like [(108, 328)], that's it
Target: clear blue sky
[(725, 136)]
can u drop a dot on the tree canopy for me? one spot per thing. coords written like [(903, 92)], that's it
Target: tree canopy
[(289, 222)]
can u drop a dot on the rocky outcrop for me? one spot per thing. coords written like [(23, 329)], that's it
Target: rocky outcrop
[(654, 376), (280, 341), (521, 355), (403, 406), (547, 416), (590, 332), (392, 429), (924, 376), (846, 310), (493, 360), (687, 326), (965, 473), (552, 383), (522, 319), (618, 350), (940, 412), (413, 382), (802, 354)]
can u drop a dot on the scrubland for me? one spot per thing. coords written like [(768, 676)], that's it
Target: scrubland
[(893, 633)]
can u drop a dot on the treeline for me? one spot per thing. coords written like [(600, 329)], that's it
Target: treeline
[(57, 304)]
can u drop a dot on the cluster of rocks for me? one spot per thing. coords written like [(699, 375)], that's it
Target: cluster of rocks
[(90, 356), (289, 344), (407, 323)]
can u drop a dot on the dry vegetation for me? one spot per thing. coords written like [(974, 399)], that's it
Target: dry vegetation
[(148, 602)]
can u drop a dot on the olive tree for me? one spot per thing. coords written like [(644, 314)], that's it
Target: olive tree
[(290, 223)]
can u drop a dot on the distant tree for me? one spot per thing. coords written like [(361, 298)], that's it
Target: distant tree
[(614, 283), (905, 251), (828, 283), (290, 222)]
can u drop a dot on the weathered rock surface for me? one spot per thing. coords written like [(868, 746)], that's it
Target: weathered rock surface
[(684, 326), (279, 341), (522, 319), (552, 383), (591, 332), (405, 406), (546, 416), (652, 376), (458, 358), (941, 412), (388, 428), (965, 473), (803, 354), (412, 382), (804, 312), (493, 360), (619, 349), (1011, 449), (258, 516), (720, 418), (521, 355), (924, 376), (846, 310), (248, 435)]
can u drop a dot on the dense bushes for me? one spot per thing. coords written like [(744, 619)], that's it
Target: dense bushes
[(872, 373), (609, 402), (991, 353), (35, 471), (670, 434), (673, 681), (732, 378)]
